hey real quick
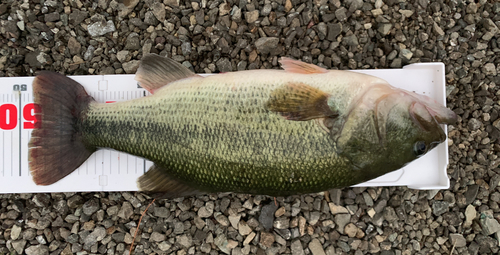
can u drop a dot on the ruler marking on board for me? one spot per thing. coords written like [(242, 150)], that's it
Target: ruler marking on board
[(3, 155), (19, 117)]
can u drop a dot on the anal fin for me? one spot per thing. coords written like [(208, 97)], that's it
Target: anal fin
[(157, 181)]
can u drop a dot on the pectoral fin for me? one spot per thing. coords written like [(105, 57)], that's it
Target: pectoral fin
[(155, 72), (299, 101), (157, 181)]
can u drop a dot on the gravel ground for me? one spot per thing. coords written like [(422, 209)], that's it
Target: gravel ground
[(108, 37)]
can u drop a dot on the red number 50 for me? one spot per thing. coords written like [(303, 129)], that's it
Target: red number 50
[(8, 116)]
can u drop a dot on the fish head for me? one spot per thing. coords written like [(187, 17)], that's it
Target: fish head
[(386, 128)]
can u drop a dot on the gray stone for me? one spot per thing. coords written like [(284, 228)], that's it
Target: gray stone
[(267, 239), (236, 14), (178, 227), (185, 241), (345, 247), (458, 240), (243, 228), (266, 45), (41, 240), (472, 190), (405, 54), (336, 209), (150, 19), (341, 220), (316, 248), (341, 15), (164, 246), (351, 40), (396, 63), (159, 11), (123, 55), (200, 17), (89, 53), (252, 16), (224, 65), (439, 207), (222, 243), (488, 223), (91, 206), (96, 236), (157, 237), (3, 9), (489, 69), (38, 59), (282, 223), (112, 210), (335, 195), (161, 212), (496, 8), (334, 30), (423, 3), (471, 8), (15, 232), (314, 217), (77, 17), (322, 29), (126, 211), (351, 230), (131, 66), (224, 8), (242, 65), (266, 10), (52, 17), (368, 199), (437, 29), (207, 210), (297, 248), (384, 28), (474, 124), (9, 29), (37, 250), (186, 48), (74, 46), (125, 7), (222, 219), (266, 217), (133, 42), (101, 28), (19, 246), (172, 2)]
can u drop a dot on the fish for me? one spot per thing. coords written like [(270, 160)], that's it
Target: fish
[(302, 129)]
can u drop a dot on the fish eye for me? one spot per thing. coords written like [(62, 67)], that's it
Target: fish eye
[(419, 148)]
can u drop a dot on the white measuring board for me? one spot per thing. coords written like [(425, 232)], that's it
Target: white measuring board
[(109, 170)]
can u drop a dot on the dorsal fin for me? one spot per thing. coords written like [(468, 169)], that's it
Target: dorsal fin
[(299, 101), (158, 182), (155, 72), (296, 66)]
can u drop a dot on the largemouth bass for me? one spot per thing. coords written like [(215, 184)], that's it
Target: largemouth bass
[(300, 130)]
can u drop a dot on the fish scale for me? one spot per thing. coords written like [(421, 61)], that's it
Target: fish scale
[(199, 132)]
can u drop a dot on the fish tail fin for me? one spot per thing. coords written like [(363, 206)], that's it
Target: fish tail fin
[(57, 147)]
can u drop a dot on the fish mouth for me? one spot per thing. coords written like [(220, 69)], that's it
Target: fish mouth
[(428, 120), (441, 114)]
